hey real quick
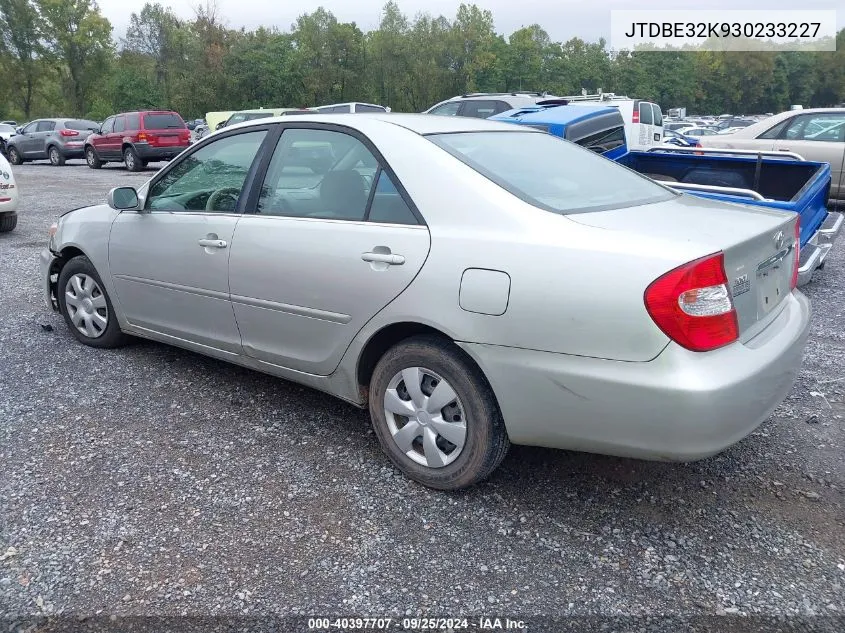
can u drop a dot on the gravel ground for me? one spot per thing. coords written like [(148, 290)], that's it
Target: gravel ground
[(153, 481)]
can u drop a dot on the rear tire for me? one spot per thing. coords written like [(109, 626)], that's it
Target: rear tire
[(86, 306), (453, 446), (8, 222), (131, 160), (56, 157), (15, 157)]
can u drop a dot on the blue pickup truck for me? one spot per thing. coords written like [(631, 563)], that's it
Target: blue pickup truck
[(776, 180)]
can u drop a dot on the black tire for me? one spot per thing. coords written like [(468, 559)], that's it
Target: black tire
[(92, 159), (15, 157), (111, 336), (8, 222), (57, 159), (132, 160), (486, 441)]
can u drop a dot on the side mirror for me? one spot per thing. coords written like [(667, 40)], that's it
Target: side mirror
[(124, 199)]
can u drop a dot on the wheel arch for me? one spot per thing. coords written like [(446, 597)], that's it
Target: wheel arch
[(387, 337), (65, 254)]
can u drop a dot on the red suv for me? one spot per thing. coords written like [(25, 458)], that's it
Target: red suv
[(137, 138)]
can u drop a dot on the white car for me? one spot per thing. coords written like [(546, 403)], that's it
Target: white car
[(8, 197)]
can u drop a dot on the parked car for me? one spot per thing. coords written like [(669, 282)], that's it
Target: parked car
[(352, 107), (601, 130), (193, 123), (56, 140), (435, 296), (815, 134), (671, 137), (137, 138), (697, 132), (261, 113), (8, 197), (481, 105), (6, 132), (10, 122)]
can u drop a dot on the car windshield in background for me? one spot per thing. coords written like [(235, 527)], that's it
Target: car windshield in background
[(162, 121), (83, 126), (6, 128), (551, 173)]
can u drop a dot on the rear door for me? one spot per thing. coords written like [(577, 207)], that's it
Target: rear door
[(645, 127), (165, 129), (114, 139), (42, 134), (331, 239), (657, 131)]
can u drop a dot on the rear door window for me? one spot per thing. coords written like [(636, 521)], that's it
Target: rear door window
[(646, 113), (658, 114), (133, 121), (163, 121), (363, 107), (46, 126), (483, 109)]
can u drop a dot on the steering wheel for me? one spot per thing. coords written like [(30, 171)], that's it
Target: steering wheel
[(219, 194)]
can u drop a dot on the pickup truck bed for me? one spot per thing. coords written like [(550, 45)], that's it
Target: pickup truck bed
[(772, 181)]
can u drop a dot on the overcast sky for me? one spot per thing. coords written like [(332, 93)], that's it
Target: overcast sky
[(563, 19)]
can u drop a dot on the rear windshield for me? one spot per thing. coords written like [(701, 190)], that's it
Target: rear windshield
[(89, 126), (162, 121), (550, 173), (240, 117)]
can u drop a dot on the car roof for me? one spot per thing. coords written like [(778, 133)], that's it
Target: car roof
[(418, 123), (560, 115)]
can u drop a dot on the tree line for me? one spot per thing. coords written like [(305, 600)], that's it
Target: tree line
[(58, 57)]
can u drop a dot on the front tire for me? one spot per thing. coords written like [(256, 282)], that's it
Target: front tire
[(56, 157), (131, 160), (86, 306), (435, 415), (15, 156), (92, 159)]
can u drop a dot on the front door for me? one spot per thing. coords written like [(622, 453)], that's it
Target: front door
[(328, 244), (170, 263), (101, 140)]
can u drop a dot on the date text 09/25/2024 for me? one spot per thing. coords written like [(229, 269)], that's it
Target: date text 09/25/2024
[(416, 624)]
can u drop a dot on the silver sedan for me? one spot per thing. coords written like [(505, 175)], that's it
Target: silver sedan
[(473, 283)]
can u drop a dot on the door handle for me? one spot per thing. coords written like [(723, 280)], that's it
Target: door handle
[(383, 258), (206, 243)]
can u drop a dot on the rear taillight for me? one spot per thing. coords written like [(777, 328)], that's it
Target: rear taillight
[(68, 133), (693, 306), (142, 137), (796, 255), (635, 117)]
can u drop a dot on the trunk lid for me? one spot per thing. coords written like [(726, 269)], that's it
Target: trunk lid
[(757, 244)]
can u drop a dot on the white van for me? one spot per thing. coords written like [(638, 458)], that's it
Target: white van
[(643, 119)]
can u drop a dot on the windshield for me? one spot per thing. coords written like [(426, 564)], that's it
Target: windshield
[(551, 173)]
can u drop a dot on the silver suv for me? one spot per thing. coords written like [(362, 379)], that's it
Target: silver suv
[(56, 140), (482, 105)]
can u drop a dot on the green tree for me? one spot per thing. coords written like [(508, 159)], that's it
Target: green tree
[(20, 42), (79, 39)]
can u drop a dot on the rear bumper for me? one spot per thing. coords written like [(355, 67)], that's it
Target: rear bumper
[(814, 252), (681, 406), (148, 152), (69, 150)]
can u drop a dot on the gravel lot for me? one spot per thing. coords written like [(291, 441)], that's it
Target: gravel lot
[(150, 480)]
